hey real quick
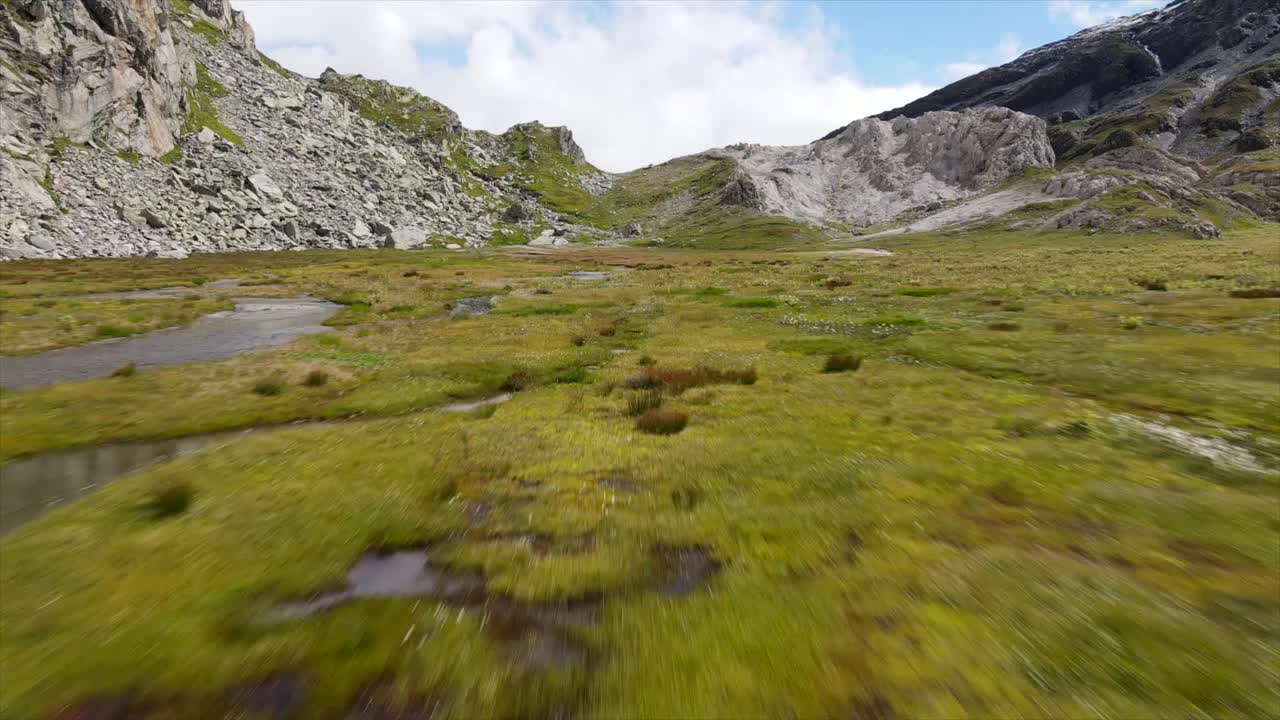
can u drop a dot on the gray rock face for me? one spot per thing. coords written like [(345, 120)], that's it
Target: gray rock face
[(111, 72), (873, 170), (406, 239)]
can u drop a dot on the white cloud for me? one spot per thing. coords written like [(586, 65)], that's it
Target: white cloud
[(637, 82), (1008, 48), (1087, 13)]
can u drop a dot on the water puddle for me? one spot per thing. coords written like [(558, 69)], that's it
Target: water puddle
[(471, 306), (588, 275), (256, 323), (468, 406), (30, 487)]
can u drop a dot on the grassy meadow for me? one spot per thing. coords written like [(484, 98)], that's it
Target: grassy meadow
[(995, 474)]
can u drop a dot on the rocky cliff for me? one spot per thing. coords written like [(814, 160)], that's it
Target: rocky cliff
[(872, 170)]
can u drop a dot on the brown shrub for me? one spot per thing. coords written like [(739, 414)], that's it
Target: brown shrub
[(516, 381), (1004, 326), (662, 421)]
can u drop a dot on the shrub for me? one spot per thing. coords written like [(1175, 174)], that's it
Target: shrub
[(410, 273), (574, 375), (1255, 293), (639, 403), (113, 331), (125, 371), (1004, 326), (542, 291), (1131, 323), (832, 283), (169, 499), (267, 388), (662, 421), (516, 381), (646, 361), (841, 362), (608, 329), (578, 340), (1151, 284), (316, 378), (754, 303), (677, 380)]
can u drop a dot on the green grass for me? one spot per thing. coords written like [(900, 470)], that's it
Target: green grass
[(202, 110), (961, 528), (275, 67), (29, 326)]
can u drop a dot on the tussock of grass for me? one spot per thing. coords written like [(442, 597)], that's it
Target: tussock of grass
[(677, 380), (754, 303), (268, 388), (316, 378), (841, 362), (642, 401), (170, 499)]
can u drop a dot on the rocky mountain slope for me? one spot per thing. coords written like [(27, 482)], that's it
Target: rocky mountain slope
[(1194, 78), (1166, 119), (155, 127)]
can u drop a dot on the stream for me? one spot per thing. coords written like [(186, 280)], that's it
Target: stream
[(255, 323)]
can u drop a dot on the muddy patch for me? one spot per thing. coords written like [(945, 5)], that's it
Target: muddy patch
[(537, 636), (684, 569), (470, 405), (256, 323), (620, 482)]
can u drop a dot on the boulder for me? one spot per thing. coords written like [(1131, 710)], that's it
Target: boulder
[(405, 238), (265, 187)]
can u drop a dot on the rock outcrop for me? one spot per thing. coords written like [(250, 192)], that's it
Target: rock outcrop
[(872, 170)]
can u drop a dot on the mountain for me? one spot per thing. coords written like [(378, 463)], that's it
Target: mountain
[(1198, 78), (155, 127)]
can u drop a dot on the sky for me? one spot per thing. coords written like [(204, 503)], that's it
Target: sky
[(640, 82)]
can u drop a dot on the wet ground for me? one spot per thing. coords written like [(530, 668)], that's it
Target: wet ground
[(469, 405), (30, 487), (255, 323)]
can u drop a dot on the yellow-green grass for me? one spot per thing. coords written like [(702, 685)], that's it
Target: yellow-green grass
[(29, 326), (957, 529)]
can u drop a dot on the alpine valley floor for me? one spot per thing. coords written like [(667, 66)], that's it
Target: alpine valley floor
[(993, 474)]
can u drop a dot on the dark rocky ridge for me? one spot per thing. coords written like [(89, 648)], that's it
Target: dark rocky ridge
[(1184, 71)]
